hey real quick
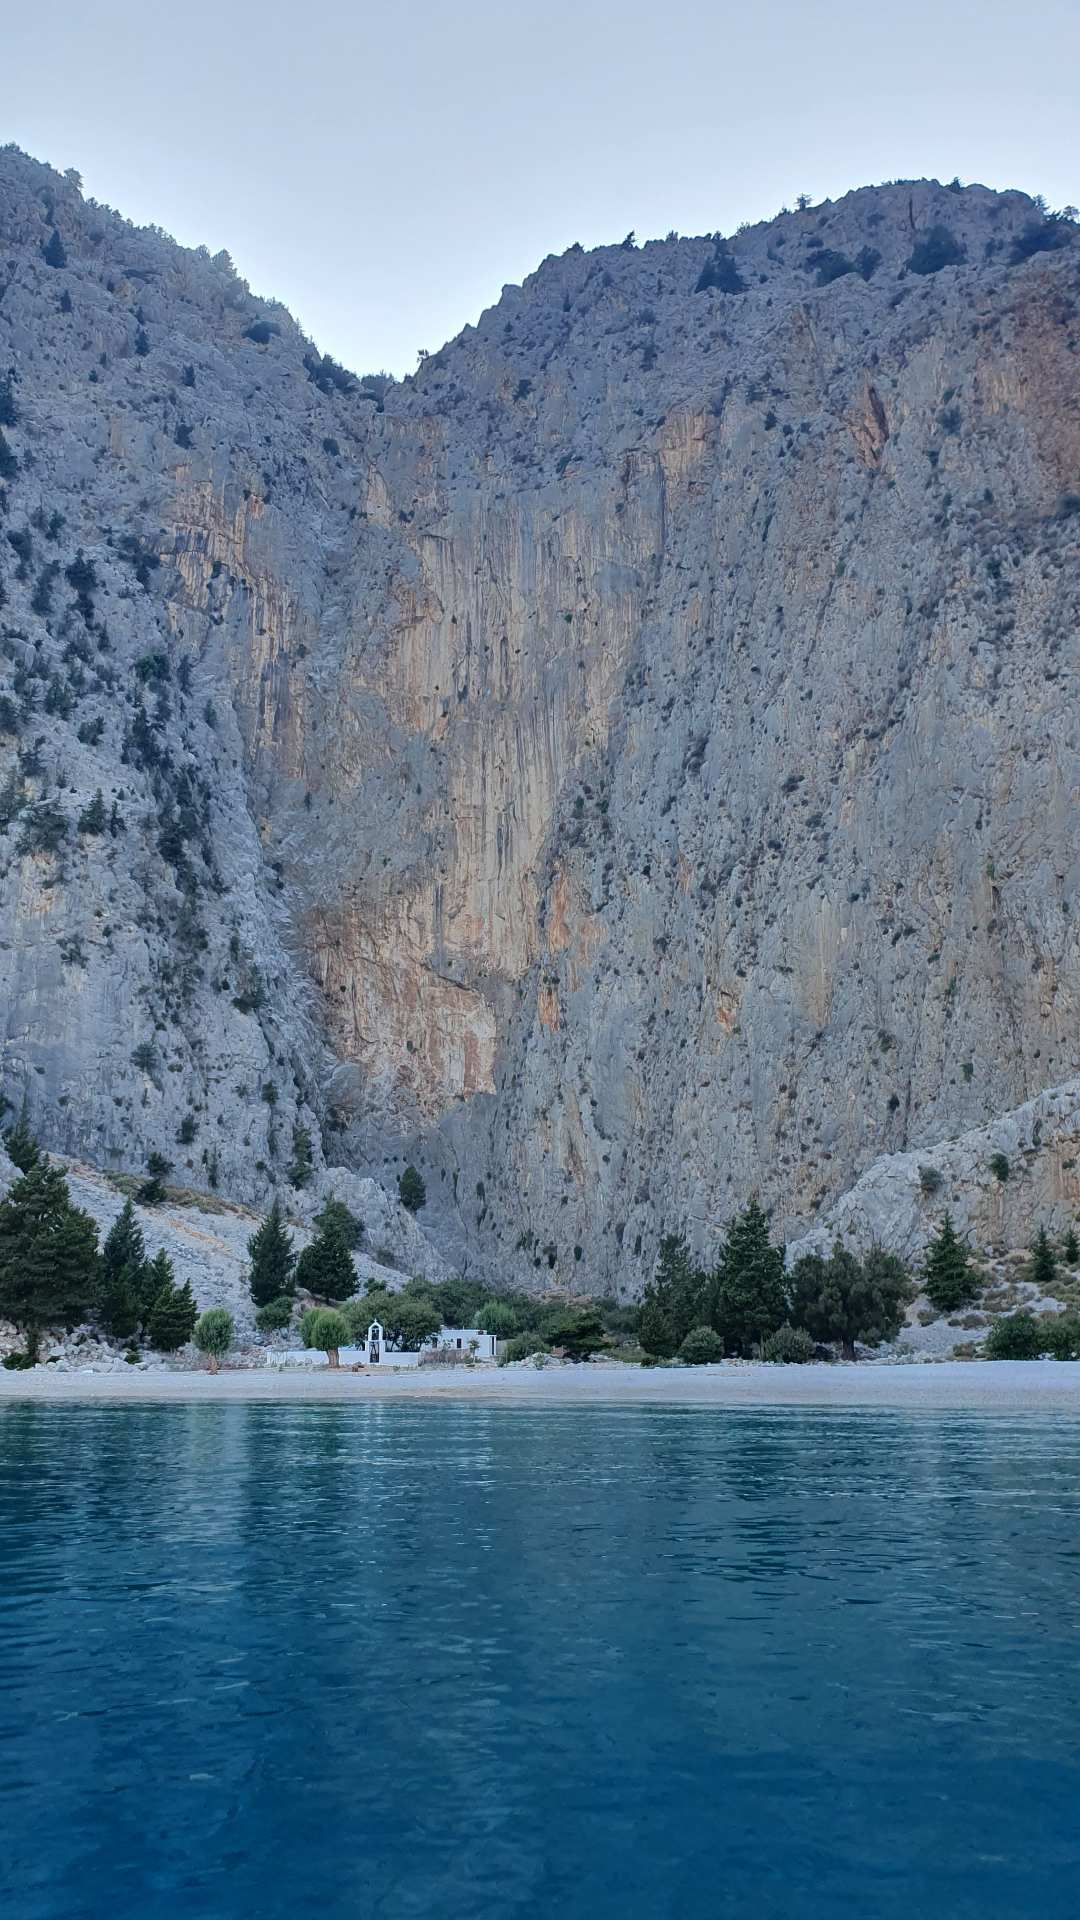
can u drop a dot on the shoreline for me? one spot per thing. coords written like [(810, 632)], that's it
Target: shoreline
[(998, 1386)]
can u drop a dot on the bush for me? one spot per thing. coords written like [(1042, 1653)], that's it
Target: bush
[(17, 1362), (930, 1180), (325, 1329), (276, 1315), (1018, 1336), (790, 1346), (522, 1347), (999, 1166), (938, 248), (499, 1318), (53, 251), (214, 1332), (411, 1190), (1061, 1337), (701, 1348)]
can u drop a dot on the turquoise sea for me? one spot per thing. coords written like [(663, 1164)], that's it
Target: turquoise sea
[(454, 1661)]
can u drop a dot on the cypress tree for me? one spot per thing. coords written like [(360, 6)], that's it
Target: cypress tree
[(655, 1331), (1043, 1262), (122, 1295), (174, 1313), (1071, 1248), (302, 1164), (92, 819), (325, 1268), (273, 1262), (48, 1254), (53, 250), (949, 1280), (748, 1289)]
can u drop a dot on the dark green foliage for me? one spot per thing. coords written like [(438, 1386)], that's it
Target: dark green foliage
[(1044, 1268), (830, 266), (275, 1315), (48, 1255), (579, 1331), (273, 1262), (497, 1317), (325, 1268), (182, 436), (845, 1299), (188, 376), (701, 1348), (324, 1329), (409, 1320), (142, 343), (459, 1301), (145, 1056), (9, 465), (867, 262), (44, 829), (999, 1166), (41, 598), (680, 1293), (1061, 1336), (748, 1294), (172, 1319), (930, 1180), (122, 1289), (327, 375), (93, 818), (82, 576), (23, 1149), (53, 250), (187, 1130), (522, 1347), (9, 718), (302, 1167), (213, 1334), (949, 1279), (720, 272), (411, 1190), (152, 1191), (8, 410), (261, 331), (1018, 1336), (1070, 1248), (655, 1331), (936, 249), (789, 1346), (334, 1216), (1040, 236), (12, 800)]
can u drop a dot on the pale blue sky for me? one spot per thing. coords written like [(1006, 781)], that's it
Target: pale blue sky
[(384, 170)]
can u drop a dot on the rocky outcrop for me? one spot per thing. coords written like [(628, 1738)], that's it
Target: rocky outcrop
[(629, 764)]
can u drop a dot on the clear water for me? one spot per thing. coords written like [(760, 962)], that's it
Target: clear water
[(459, 1662)]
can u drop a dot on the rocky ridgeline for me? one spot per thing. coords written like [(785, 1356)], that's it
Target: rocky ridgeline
[(626, 765)]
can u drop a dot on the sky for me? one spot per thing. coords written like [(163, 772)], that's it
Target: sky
[(386, 170)]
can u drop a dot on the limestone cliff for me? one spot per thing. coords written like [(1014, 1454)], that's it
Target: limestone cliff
[(630, 763)]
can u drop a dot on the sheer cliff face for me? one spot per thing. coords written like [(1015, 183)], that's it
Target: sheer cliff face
[(630, 764)]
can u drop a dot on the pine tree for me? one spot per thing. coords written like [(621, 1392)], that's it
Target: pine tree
[(1043, 1270), (1071, 1248), (92, 819), (152, 1191), (748, 1294), (122, 1291), (53, 250), (273, 1261), (949, 1280), (9, 465), (48, 1254), (655, 1332), (171, 1321), (22, 1148), (679, 1286), (336, 1215), (411, 1190), (844, 1299), (325, 1268)]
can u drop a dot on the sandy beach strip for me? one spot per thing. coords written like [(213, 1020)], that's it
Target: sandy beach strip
[(1038, 1386)]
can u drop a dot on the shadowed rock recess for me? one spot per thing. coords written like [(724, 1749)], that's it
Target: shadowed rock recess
[(631, 763)]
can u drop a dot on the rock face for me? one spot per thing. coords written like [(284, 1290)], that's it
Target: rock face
[(630, 763)]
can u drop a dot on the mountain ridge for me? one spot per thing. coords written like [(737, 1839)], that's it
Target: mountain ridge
[(512, 666)]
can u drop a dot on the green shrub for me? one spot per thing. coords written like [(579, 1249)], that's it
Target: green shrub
[(1017, 1336), (999, 1166), (791, 1346), (214, 1332), (701, 1348), (1061, 1337), (275, 1315), (930, 1180), (17, 1362), (499, 1318), (938, 248), (411, 1190), (522, 1347)]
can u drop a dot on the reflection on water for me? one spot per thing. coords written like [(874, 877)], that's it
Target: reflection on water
[(465, 1661)]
